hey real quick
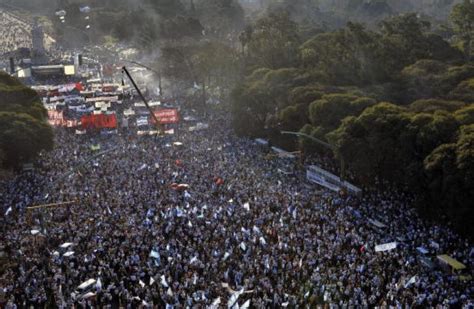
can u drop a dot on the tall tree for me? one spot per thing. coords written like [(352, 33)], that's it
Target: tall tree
[(273, 41), (24, 131), (462, 17), (222, 19), (450, 169)]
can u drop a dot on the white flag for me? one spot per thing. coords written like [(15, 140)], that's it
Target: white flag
[(68, 254), (163, 281), (154, 254), (98, 285), (86, 284), (226, 255), (386, 247), (245, 305), (66, 245), (215, 303), (234, 297), (411, 281)]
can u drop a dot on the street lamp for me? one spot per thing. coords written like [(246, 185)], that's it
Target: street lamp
[(150, 69)]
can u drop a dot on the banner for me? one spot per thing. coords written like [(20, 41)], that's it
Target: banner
[(95, 147), (142, 121), (101, 104), (386, 247), (105, 99), (55, 115), (322, 177), (72, 123), (199, 126), (128, 112), (319, 179), (166, 116), (99, 121), (56, 118), (151, 132), (71, 87)]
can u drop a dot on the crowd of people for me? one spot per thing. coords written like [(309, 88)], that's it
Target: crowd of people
[(13, 33), (205, 219)]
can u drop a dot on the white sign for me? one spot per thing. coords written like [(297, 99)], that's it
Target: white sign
[(157, 103), (386, 247), (86, 284), (108, 99), (320, 180), (129, 112), (324, 178), (377, 223), (199, 126), (143, 121)]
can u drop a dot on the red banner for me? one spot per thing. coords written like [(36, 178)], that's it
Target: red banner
[(56, 118), (166, 116), (99, 121)]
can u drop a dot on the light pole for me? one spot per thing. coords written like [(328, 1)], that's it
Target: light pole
[(150, 69), (322, 143), (152, 114)]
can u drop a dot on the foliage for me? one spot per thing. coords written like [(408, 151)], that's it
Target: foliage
[(430, 78), (23, 128), (464, 91), (462, 17), (367, 142), (450, 169), (272, 42), (342, 75), (433, 105), (328, 112), (221, 18), (465, 115), (16, 97), (263, 96)]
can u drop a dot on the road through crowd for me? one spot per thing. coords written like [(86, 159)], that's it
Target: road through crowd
[(239, 234)]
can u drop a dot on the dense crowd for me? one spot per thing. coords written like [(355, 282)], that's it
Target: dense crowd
[(239, 233), (13, 34)]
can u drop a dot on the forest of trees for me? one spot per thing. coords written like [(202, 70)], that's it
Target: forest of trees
[(24, 131), (395, 100)]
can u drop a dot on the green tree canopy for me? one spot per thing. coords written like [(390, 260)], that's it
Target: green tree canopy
[(462, 17), (24, 131), (450, 169), (272, 42)]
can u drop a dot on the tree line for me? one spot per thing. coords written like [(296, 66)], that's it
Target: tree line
[(24, 131), (395, 101)]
